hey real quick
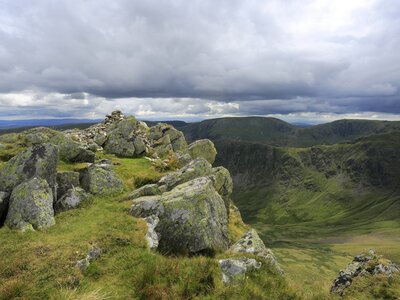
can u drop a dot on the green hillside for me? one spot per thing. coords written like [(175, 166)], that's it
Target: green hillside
[(316, 205), (276, 132)]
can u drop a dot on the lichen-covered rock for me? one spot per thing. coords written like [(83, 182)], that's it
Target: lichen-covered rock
[(146, 190), (100, 179), (31, 206), (37, 161), (71, 199), (72, 151), (223, 184), (120, 139), (363, 264), (4, 197), (234, 270), (39, 135), (196, 168), (66, 181), (203, 149), (166, 139), (140, 146), (192, 218), (251, 243)]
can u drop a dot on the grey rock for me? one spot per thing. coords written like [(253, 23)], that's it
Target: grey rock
[(251, 243), (100, 179), (66, 181), (151, 235), (72, 151), (31, 206), (71, 199), (36, 161), (93, 254), (140, 146), (234, 270), (196, 168), (203, 149), (192, 218), (146, 190), (363, 264)]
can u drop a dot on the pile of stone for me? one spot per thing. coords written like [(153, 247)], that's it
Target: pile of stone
[(362, 265)]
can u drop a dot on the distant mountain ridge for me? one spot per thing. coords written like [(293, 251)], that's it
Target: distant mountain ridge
[(276, 132)]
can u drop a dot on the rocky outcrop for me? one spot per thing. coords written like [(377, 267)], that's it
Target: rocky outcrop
[(234, 270), (219, 176), (166, 139), (203, 149), (71, 199), (192, 218), (100, 179), (251, 243), (31, 206), (37, 161), (363, 264)]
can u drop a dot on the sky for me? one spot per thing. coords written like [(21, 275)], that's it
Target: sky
[(302, 61)]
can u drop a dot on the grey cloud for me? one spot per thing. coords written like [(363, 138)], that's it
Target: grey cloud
[(267, 56)]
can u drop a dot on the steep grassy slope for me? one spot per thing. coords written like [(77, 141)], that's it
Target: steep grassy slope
[(276, 132), (317, 207)]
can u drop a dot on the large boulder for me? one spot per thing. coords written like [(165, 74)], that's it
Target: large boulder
[(38, 135), (37, 161), (100, 179), (166, 139), (203, 149), (71, 199), (31, 206), (120, 138), (191, 218), (196, 168), (66, 181), (71, 151)]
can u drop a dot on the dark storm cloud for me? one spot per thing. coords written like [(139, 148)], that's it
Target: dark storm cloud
[(73, 57)]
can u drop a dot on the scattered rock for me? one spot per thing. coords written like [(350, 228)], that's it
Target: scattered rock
[(203, 149), (234, 270), (66, 181), (192, 218), (100, 179), (93, 254), (250, 242), (37, 161), (31, 206), (363, 264), (71, 199)]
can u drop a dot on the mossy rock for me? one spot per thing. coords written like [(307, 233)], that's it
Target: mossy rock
[(192, 218), (203, 149), (66, 181), (71, 199), (31, 206), (37, 161), (72, 151), (100, 179)]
